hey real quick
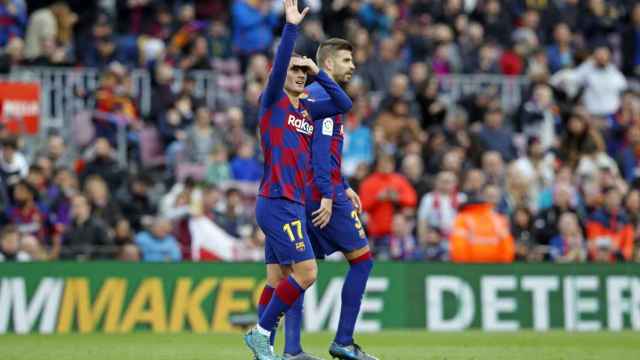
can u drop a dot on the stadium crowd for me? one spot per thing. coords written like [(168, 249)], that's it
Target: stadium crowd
[(555, 179)]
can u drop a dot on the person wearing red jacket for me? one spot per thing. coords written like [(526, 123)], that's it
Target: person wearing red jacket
[(383, 193), (610, 226)]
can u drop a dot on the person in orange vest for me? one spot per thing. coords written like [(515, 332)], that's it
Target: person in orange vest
[(609, 227), (480, 234), (384, 193)]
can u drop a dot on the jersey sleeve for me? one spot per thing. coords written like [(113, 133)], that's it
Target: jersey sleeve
[(345, 183), (337, 103), (321, 155), (278, 75)]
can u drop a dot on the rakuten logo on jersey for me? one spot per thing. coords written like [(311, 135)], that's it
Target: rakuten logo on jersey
[(301, 125)]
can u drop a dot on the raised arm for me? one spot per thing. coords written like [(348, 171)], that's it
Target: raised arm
[(337, 103), (275, 85)]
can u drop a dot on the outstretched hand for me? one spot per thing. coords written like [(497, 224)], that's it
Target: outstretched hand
[(291, 12)]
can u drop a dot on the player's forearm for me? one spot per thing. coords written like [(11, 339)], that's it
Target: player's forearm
[(321, 159), (340, 99), (280, 64)]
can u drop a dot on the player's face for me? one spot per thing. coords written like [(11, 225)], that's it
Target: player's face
[(343, 67), (296, 78)]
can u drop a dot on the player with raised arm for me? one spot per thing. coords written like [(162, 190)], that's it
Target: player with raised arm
[(286, 130), (333, 208)]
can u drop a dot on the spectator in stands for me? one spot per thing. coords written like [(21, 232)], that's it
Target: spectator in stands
[(546, 222), (517, 192), (252, 25), (219, 40), (630, 45), (233, 217), (10, 249), (251, 106), (245, 166), (358, 146), (474, 181), (378, 16), (86, 237), (569, 245), (383, 193), (480, 234), (58, 152), (218, 169), (13, 164), (43, 28), (198, 56), (494, 137), (122, 232), (13, 55), (413, 169), (235, 133), (103, 206), (432, 108), (538, 117), (560, 52), (431, 247), (579, 137), (610, 227), (136, 202), (401, 243), (104, 165), (59, 195), (439, 208), (157, 244), (201, 137), (30, 217), (522, 231), (603, 82), (13, 16), (129, 252), (257, 70), (377, 71), (537, 166), (627, 157), (493, 167)]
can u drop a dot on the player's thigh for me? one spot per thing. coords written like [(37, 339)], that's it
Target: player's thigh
[(346, 231), (284, 225)]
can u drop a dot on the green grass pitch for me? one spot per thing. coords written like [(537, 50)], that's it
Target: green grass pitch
[(387, 345)]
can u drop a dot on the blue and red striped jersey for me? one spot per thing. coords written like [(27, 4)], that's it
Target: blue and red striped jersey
[(326, 153), (286, 131)]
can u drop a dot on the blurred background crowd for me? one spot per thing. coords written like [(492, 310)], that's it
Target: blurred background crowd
[(552, 177)]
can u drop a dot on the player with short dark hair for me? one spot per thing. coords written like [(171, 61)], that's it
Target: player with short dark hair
[(286, 130), (332, 208)]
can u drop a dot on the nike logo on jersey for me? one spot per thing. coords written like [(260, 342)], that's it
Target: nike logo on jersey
[(301, 125)]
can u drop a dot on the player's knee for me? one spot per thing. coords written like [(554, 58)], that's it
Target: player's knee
[(306, 274)]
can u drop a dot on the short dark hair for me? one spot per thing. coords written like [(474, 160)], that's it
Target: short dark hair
[(329, 47)]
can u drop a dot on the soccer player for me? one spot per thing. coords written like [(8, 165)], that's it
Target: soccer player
[(333, 207), (286, 129)]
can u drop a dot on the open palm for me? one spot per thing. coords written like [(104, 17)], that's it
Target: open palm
[(291, 12)]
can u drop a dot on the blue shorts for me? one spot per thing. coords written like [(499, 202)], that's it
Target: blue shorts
[(344, 233), (285, 227)]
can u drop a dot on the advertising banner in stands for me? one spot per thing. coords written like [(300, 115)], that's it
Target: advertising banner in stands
[(117, 297), (20, 107)]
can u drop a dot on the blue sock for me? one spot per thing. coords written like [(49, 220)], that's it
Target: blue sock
[(293, 327), (352, 293), (265, 298), (285, 296)]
